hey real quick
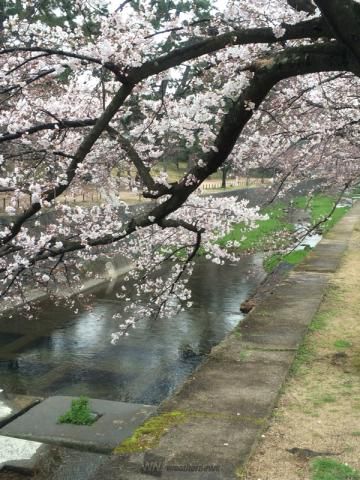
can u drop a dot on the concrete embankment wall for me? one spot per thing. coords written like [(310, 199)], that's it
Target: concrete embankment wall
[(226, 404)]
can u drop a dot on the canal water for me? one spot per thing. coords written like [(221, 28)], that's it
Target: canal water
[(63, 353)]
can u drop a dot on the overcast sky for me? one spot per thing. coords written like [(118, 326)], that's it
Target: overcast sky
[(115, 3)]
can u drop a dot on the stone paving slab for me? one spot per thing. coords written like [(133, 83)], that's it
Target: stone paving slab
[(281, 321), (245, 387), (12, 405), (20, 455), (325, 258), (75, 465), (228, 401), (117, 422), (227, 441)]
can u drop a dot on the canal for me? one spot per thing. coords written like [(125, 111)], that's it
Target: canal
[(63, 353)]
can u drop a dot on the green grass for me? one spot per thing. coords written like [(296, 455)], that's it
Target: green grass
[(293, 258), (305, 352), (79, 413), (324, 399), (268, 233), (319, 207), (329, 469), (320, 321), (341, 344), (274, 233), (258, 237), (303, 356), (244, 355)]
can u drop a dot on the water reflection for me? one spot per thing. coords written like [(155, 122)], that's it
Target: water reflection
[(64, 353)]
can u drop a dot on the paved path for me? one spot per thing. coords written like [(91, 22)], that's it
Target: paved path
[(228, 401)]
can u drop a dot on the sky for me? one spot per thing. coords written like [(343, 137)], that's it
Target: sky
[(115, 3)]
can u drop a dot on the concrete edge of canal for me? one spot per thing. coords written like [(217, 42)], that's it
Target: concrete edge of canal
[(226, 404)]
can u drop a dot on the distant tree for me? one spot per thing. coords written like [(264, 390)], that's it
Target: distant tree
[(55, 13)]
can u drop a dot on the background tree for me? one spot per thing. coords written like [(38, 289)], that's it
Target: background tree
[(62, 13)]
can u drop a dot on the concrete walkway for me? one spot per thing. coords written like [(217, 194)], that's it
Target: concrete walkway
[(227, 403)]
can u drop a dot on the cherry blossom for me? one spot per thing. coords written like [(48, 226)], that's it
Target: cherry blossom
[(257, 84)]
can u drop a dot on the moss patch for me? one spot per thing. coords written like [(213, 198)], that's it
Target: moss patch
[(244, 355), (303, 356), (150, 433)]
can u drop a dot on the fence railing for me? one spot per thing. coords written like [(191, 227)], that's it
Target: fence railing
[(96, 196), (237, 182), (24, 202)]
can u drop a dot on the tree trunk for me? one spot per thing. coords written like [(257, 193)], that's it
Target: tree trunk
[(224, 174)]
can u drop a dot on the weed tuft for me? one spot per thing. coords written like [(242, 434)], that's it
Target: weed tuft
[(79, 413)]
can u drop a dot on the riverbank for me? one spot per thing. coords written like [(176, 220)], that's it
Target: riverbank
[(319, 408), (285, 228), (234, 392), (223, 409)]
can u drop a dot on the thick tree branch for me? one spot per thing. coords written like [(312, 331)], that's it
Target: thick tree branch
[(154, 189), (143, 171), (344, 18), (61, 124), (303, 6), (268, 72), (311, 29)]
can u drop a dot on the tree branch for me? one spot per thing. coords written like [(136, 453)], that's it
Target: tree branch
[(81, 153), (344, 18), (311, 29), (143, 171), (64, 53), (267, 73), (61, 124)]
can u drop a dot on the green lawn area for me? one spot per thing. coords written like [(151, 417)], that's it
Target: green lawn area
[(329, 469), (320, 206), (264, 235), (293, 258), (275, 232)]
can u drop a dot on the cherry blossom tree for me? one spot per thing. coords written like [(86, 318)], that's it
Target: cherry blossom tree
[(262, 83)]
